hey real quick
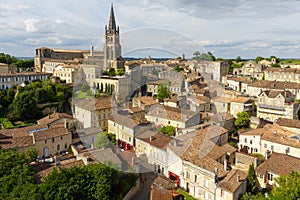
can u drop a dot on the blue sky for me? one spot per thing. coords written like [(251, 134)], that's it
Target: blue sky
[(228, 28)]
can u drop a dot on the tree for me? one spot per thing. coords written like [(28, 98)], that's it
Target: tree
[(287, 187), (258, 58), (211, 56), (24, 106), (103, 140), (251, 184), (16, 176), (242, 120), (31, 154), (197, 54), (238, 59), (276, 65), (120, 72), (163, 92), (112, 72), (178, 68), (169, 130)]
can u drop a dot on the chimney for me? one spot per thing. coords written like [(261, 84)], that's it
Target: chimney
[(225, 164), (266, 155), (238, 178)]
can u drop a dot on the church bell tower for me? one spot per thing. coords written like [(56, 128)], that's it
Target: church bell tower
[(112, 47)]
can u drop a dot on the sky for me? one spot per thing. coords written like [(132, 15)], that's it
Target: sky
[(168, 28)]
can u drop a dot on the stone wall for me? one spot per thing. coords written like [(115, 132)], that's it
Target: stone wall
[(133, 190), (244, 160)]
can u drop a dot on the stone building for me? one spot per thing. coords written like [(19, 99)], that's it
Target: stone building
[(279, 74), (213, 70), (10, 80), (93, 112), (47, 140), (273, 104)]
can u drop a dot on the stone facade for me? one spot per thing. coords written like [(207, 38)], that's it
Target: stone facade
[(275, 104), (10, 80)]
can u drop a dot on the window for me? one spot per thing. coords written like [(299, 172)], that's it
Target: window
[(245, 140), (272, 148), (265, 145), (187, 174), (93, 139), (206, 183), (270, 177), (53, 140), (129, 139), (123, 128), (58, 147), (156, 119), (122, 136), (66, 146), (45, 141), (223, 193), (61, 138), (250, 141), (196, 179), (169, 122)]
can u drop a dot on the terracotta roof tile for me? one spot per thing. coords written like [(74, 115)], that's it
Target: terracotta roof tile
[(230, 182), (293, 123), (157, 139), (53, 117), (279, 164), (95, 104), (241, 100), (51, 133)]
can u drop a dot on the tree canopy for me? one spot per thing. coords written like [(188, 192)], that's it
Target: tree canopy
[(163, 92), (93, 181), (105, 140), (287, 187), (242, 120)]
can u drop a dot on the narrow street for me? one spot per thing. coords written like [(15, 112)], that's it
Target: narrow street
[(146, 180)]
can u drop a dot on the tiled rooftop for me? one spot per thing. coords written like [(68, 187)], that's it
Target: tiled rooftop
[(279, 164), (230, 182), (95, 104)]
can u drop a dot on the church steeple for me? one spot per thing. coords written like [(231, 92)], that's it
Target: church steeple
[(112, 21), (112, 47)]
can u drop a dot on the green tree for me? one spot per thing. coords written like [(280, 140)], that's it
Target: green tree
[(163, 92), (251, 184), (31, 154), (104, 140), (178, 68), (238, 59), (16, 176), (287, 187), (211, 56), (259, 58), (169, 130), (276, 65), (112, 72), (242, 120), (120, 72), (24, 106), (197, 54)]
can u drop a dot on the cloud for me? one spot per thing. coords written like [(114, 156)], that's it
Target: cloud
[(44, 26), (8, 8)]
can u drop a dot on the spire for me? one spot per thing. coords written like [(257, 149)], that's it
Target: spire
[(112, 21)]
